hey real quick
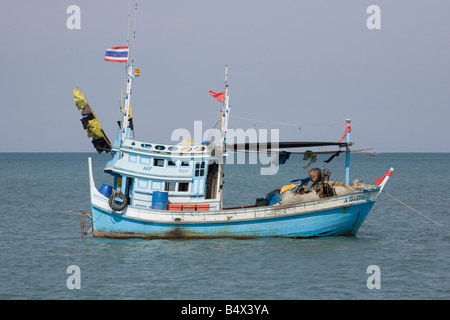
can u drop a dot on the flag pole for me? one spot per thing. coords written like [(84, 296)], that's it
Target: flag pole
[(126, 109), (226, 110), (134, 31), (347, 155), (224, 127), (127, 105)]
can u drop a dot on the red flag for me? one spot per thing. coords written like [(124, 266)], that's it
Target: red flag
[(387, 174), (348, 129), (218, 96)]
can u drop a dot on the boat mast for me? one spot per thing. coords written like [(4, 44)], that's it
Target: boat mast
[(224, 126), (126, 112), (126, 109), (225, 112)]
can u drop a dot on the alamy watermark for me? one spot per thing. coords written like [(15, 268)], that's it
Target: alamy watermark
[(73, 22), (374, 280), (250, 145), (374, 20), (74, 280)]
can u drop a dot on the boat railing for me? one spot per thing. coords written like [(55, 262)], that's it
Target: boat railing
[(164, 148)]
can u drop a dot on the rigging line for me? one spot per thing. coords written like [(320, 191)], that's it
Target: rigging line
[(263, 121), (134, 31), (128, 45), (416, 211), (286, 124), (128, 30)]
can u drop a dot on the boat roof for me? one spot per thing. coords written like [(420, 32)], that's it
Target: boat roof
[(202, 150), (167, 150), (283, 145)]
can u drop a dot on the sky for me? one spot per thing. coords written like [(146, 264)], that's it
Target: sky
[(299, 66)]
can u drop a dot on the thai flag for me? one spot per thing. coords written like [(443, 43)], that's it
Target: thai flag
[(117, 54)]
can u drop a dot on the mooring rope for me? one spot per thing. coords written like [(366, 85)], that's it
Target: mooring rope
[(416, 211)]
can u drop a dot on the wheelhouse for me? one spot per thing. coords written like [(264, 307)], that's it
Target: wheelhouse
[(187, 175)]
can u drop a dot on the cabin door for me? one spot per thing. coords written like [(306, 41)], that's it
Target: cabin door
[(211, 181), (198, 183)]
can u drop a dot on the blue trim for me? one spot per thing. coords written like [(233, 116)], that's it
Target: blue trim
[(132, 158), (145, 160)]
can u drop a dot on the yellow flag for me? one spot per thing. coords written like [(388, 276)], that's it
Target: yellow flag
[(77, 94), (79, 99), (94, 129)]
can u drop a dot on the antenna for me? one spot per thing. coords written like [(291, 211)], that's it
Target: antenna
[(128, 30), (134, 31), (225, 110), (226, 75)]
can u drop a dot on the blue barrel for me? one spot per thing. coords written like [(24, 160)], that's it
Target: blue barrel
[(105, 190), (160, 200)]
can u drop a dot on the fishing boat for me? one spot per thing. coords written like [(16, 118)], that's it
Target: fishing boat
[(368, 154), (167, 191)]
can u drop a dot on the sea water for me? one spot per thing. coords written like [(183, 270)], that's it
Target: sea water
[(40, 240)]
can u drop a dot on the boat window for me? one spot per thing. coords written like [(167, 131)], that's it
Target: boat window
[(183, 186), (171, 163), (199, 169), (184, 163), (158, 162), (170, 186)]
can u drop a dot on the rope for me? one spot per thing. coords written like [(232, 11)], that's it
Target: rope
[(284, 123), (269, 122), (416, 211), (128, 31), (134, 32)]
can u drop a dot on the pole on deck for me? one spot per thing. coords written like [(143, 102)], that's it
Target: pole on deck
[(347, 155)]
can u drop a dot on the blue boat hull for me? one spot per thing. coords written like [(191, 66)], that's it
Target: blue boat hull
[(334, 222)]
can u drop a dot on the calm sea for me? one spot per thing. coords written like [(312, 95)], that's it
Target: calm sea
[(40, 239)]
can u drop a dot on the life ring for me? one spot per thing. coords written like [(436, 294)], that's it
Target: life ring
[(117, 194)]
